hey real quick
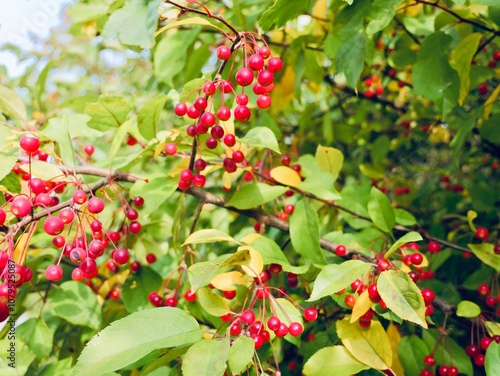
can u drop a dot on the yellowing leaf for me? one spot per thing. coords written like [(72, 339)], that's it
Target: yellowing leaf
[(493, 328), (256, 263), (211, 302), (248, 239), (283, 91), (363, 304), (488, 105), (471, 215), (45, 171), (329, 160), (208, 236), (368, 345), (228, 281), (439, 134), (332, 360), (285, 175), (402, 296), (188, 21), (486, 253), (394, 339)]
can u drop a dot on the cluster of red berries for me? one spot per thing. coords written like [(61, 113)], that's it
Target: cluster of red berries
[(258, 70), (443, 370), (477, 353), (373, 87)]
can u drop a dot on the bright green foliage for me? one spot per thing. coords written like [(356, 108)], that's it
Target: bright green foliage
[(365, 173)]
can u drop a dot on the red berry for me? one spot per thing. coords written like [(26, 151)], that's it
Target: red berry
[(138, 201), (275, 65), (199, 180), (235, 328), (416, 258), (340, 251), (29, 142), (483, 289), (273, 323), (265, 52), (482, 233), (258, 341), (452, 371), (209, 88), (207, 119), (443, 370), (256, 62), (285, 160), (155, 299), (54, 272), (485, 342), (180, 109), (230, 295), (310, 314), (429, 360), (230, 140), (229, 165), (79, 197), (242, 113), (223, 52), (193, 113), (479, 360), (265, 78), (170, 148), (121, 256), (200, 165), (211, 143), (295, 329), (281, 331), (67, 215), (95, 205), (20, 207), (491, 301), (496, 55), (3, 217), (350, 301), (53, 225), (89, 149), (263, 101), (37, 185), (190, 296), (224, 113), (472, 350), (135, 266), (171, 302), (217, 132), (238, 156), (248, 317), (428, 296), (434, 247), (151, 258), (244, 77)]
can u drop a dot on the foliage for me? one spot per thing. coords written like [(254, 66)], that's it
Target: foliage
[(341, 217)]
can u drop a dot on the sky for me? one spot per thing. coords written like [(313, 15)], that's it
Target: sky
[(19, 18)]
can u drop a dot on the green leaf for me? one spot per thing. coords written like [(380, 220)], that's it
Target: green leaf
[(10, 181), (109, 112), (306, 242), (404, 217), (253, 195), (58, 130), (40, 84), (261, 137), (333, 278), (468, 309), (448, 352), (370, 345), (433, 77), (402, 296), (67, 303), (411, 352), (137, 287), (492, 360), (206, 358), (81, 12), (381, 14), (281, 12), (131, 338), (190, 87), (492, 327), (119, 137), (485, 252), (329, 160), (11, 105), (9, 159), (164, 359), (321, 184), (189, 21), (21, 361), (461, 60), (211, 302), (157, 189), (149, 116), (272, 254), (208, 236), (37, 335), (134, 24), (406, 238), (489, 129), (350, 56), (240, 354), (332, 360), (381, 211), (165, 67)]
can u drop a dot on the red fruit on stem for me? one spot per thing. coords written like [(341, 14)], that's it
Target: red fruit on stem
[(29, 142), (54, 273)]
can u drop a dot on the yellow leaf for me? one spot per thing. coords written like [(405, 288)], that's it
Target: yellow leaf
[(228, 281), (394, 339), (108, 284), (329, 160), (492, 327), (488, 105), (182, 165), (45, 171), (248, 239), (368, 345), (285, 175), (256, 263), (283, 91), (363, 304), (439, 134)]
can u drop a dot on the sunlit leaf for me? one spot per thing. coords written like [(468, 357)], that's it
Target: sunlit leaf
[(407, 238), (206, 358), (285, 175), (333, 360), (468, 309)]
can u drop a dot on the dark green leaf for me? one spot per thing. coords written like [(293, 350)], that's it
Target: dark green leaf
[(137, 287), (381, 211), (306, 242), (109, 112), (350, 56), (411, 352)]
